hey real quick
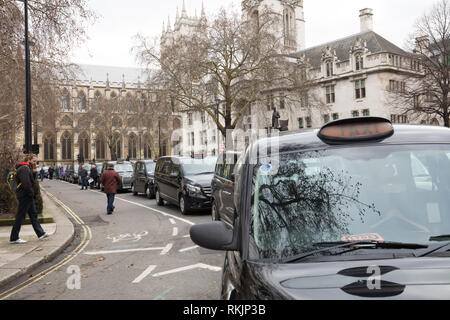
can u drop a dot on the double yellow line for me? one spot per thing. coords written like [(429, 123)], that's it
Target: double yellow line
[(87, 236)]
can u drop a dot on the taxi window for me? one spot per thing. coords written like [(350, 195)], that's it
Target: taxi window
[(400, 193)]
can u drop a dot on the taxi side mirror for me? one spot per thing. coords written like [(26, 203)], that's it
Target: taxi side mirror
[(215, 236)]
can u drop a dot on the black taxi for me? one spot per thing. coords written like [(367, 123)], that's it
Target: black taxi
[(359, 209)]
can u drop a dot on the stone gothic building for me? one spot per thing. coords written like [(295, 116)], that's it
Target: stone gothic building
[(353, 76), (76, 133)]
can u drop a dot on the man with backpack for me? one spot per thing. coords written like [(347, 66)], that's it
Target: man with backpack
[(25, 193)]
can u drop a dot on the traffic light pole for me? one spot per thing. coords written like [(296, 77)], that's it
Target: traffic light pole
[(28, 120)]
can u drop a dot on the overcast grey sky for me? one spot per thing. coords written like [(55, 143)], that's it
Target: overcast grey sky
[(111, 37)]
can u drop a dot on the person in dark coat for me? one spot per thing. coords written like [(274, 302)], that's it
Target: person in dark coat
[(110, 179), (50, 172), (26, 195), (84, 178), (42, 174), (94, 176)]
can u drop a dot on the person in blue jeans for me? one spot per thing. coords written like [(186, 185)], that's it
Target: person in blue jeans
[(26, 194), (110, 179)]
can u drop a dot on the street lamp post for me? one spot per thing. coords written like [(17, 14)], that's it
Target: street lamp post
[(28, 120), (217, 130), (159, 135)]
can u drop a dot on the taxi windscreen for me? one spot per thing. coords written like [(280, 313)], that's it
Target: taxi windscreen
[(382, 193)]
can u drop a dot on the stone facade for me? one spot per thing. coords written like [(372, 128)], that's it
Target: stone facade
[(74, 133), (352, 77)]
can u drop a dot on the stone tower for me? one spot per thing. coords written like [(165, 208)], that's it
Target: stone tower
[(292, 20)]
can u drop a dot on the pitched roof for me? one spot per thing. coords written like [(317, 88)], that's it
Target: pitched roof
[(98, 73), (375, 44)]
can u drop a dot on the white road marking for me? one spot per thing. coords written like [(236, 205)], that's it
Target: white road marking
[(187, 249), (167, 249), (172, 221), (128, 237), (175, 231), (158, 211), (195, 266), (188, 236), (164, 250), (144, 274)]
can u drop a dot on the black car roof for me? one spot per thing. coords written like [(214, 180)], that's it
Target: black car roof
[(403, 134)]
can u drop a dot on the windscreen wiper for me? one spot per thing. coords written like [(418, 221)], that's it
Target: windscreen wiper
[(365, 244), (443, 237)]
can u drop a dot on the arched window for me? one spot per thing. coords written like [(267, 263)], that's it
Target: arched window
[(81, 102), (289, 27), (49, 147), (66, 146), (100, 153), (359, 62), (255, 20), (83, 142), (117, 147), (176, 124), (65, 100), (97, 95), (132, 146), (330, 68), (147, 147), (113, 95)]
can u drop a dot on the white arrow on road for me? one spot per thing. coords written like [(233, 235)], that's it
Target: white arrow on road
[(194, 266), (164, 250), (149, 270)]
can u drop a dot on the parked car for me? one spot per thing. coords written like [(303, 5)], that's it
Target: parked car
[(223, 188), (72, 173), (356, 210), (144, 178), (45, 171), (125, 171), (185, 182)]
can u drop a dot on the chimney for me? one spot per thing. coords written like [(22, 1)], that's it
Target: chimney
[(366, 17), (422, 45)]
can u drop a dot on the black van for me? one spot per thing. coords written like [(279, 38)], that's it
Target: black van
[(144, 178), (223, 188), (185, 182)]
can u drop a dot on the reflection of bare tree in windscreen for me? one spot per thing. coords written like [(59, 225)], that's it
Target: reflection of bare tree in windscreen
[(297, 207)]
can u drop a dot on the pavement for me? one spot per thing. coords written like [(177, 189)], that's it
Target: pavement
[(19, 259)]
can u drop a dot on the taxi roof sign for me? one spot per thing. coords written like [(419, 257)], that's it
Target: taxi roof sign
[(356, 130)]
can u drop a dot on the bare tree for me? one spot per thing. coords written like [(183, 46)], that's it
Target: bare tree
[(230, 59), (111, 117), (425, 92), (56, 26)]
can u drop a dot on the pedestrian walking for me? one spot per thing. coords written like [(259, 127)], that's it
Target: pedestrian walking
[(25, 194), (94, 176), (110, 179), (51, 171), (84, 178), (57, 172), (42, 174)]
